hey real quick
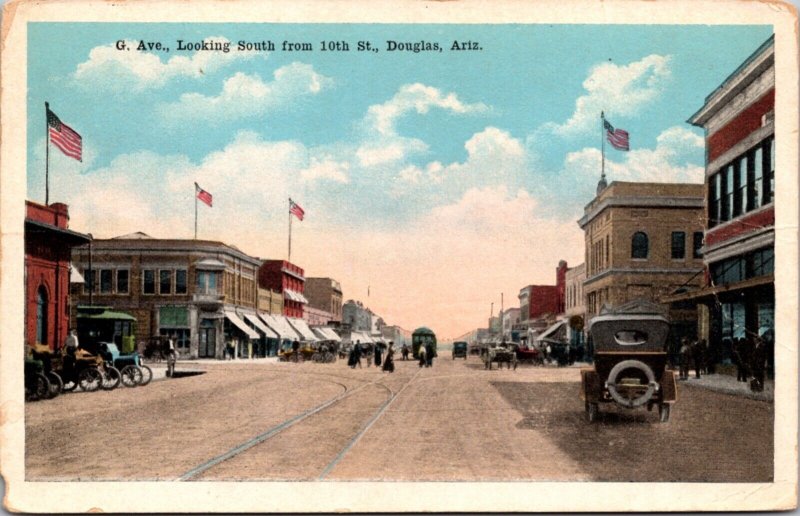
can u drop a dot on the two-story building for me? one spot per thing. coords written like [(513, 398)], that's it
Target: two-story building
[(738, 298), (199, 292)]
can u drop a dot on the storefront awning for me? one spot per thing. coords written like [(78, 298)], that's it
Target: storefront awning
[(295, 296), (280, 325), (302, 328), (361, 336), (709, 294), (263, 328), (74, 275), (327, 333), (234, 319), (551, 330)]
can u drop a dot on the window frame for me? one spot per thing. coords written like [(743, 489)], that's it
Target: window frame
[(185, 273), (144, 282), (171, 275), (117, 288), (680, 247), (645, 244)]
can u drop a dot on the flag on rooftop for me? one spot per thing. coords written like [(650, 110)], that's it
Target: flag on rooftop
[(618, 138), (64, 137), (203, 195), (296, 210)]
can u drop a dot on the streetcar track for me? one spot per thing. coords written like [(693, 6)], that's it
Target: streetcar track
[(285, 425)]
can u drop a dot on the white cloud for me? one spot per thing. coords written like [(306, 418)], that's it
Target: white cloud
[(326, 168), (382, 144), (620, 90), (108, 68), (246, 95), (493, 155), (664, 164)]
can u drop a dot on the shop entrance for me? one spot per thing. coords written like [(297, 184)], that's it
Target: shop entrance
[(208, 339)]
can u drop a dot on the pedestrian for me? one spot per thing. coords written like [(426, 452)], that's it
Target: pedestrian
[(714, 355), (378, 353), (388, 363), (430, 353), (296, 351), (357, 354), (742, 359), (404, 351), (71, 343), (759, 365), (697, 358), (684, 355), (421, 354)]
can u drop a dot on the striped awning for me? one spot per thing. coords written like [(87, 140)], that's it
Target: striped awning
[(263, 328), (302, 328), (234, 319), (295, 296), (326, 333), (280, 325)]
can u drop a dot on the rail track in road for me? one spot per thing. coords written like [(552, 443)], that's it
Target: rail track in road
[(276, 430)]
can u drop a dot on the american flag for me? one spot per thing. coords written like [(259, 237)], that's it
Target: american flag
[(618, 138), (64, 137), (203, 195), (296, 210)]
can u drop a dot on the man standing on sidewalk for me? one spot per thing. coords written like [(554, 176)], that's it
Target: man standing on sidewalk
[(683, 358), (697, 356)]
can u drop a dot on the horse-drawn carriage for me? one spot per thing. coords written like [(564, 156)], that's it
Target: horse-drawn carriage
[(630, 364), (502, 354)]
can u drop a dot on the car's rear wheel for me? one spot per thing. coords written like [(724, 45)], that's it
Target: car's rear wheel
[(131, 376), (90, 379), (147, 374), (111, 378)]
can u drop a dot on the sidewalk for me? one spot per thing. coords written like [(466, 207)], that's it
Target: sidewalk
[(728, 385)]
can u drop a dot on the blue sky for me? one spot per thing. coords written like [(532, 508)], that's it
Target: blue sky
[(406, 163)]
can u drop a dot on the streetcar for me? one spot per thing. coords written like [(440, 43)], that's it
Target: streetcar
[(98, 324), (421, 337)]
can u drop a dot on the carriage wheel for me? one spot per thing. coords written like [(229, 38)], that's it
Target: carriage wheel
[(37, 388), (111, 378), (592, 411), (90, 379), (131, 376), (56, 384), (147, 375)]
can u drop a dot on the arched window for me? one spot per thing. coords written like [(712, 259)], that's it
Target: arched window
[(41, 315), (639, 245)]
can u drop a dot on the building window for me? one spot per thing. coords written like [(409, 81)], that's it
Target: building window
[(165, 281), (41, 315), (122, 281), (739, 268), (149, 281), (744, 185), (106, 276), (697, 244), (180, 281), (678, 245), (740, 187), (207, 282), (715, 200), (89, 280), (639, 245)]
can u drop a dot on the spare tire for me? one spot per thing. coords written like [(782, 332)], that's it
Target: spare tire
[(611, 383)]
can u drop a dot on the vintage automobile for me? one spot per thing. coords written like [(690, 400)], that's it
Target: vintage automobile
[(129, 365), (460, 350), (630, 360), (37, 386)]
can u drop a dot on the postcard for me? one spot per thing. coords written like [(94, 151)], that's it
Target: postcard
[(399, 257)]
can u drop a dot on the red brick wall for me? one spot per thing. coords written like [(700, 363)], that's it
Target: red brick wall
[(561, 285), (741, 225), (544, 300), (739, 127)]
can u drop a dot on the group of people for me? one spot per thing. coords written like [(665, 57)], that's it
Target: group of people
[(426, 354), (750, 356), (385, 363)]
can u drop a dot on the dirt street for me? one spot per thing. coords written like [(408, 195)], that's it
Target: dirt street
[(455, 421)]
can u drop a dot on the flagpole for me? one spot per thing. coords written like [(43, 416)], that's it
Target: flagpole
[(46, 155), (602, 145), (289, 259), (196, 187)]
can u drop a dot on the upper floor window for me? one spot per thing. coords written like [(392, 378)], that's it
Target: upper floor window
[(165, 281), (639, 245), (207, 282), (743, 185), (678, 245), (123, 276), (148, 281), (697, 244), (181, 281), (105, 280)]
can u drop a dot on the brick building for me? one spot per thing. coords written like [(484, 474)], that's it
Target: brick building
[(738, 298), (288, 279), (325, 294), (574, 304), (48, 243), (540, 304), (643, 241), (199, 291)]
